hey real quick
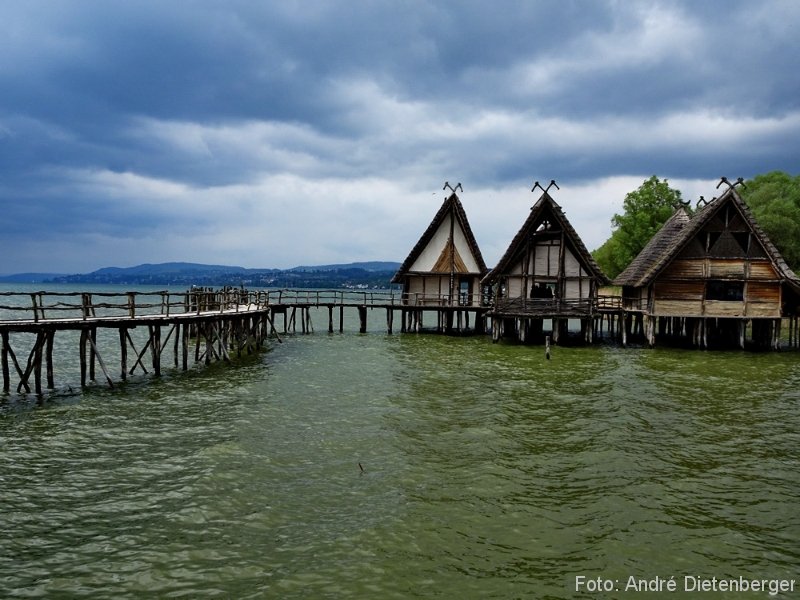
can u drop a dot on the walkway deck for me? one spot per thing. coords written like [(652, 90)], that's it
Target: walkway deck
[(218, 321)]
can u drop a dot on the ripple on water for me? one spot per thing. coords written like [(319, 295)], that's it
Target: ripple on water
[(487, 470)]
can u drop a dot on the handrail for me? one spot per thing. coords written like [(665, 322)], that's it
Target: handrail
[(42, 306)]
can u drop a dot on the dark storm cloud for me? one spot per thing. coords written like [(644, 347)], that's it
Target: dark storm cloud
[(120, 120)]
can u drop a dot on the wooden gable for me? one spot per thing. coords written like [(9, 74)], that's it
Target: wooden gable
[(718, 264), (547, 253)]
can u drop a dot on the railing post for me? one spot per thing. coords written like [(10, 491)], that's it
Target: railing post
[(35, 311), (132, 304), (86, 300)]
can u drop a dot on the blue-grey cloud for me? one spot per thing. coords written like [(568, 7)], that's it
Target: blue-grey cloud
[(124, 121)]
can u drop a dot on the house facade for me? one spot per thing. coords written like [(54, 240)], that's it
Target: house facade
[(545, 274), (713, 279)]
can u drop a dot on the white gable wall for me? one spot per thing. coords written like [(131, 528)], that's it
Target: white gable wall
[(430, 254), (460, 241)]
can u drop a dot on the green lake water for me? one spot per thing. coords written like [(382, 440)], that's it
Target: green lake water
[(488, 472)]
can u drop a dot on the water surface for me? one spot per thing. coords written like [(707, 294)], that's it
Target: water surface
[(486, 471)]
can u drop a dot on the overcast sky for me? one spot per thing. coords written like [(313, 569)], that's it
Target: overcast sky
[(274, 134)]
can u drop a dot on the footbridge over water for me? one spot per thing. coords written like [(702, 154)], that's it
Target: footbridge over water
[(210, 325)]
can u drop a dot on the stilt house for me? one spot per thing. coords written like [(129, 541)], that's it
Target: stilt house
[(546, 273), (704, 279), (445, 267)]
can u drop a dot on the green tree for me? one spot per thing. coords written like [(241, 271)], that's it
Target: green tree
[(646, 209), (774, 199)]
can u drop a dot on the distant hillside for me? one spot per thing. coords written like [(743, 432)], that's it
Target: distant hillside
[(360, 275), (367, 266), (28, 277), (170, 268)]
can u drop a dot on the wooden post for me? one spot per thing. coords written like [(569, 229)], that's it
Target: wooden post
[(362, 316), (6, 373), (185, 346), (37, 363), (49, 337), (547, 347), (341, 318), (624, 329), (330, 318), (123, 353), (92, 353), (176, 342), (207, 335), (82, 345), (155, 347), (102, 364)]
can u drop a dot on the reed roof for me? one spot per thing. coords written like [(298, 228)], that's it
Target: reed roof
[(680, 230)]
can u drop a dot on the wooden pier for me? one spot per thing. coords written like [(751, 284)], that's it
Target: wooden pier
[(211, 325), (205, 324)]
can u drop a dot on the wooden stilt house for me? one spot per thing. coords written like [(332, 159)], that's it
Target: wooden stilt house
[(705, 279), (443, 271), (545, 274)]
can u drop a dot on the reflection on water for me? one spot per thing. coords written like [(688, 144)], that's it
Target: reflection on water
[(488, 472)]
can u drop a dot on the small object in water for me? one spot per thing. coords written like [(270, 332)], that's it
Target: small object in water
[(360, 467)]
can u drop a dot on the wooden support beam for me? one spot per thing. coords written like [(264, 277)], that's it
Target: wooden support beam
[(92, 358), (139, 355), (37, 362), (6, 373), (123, 353), (49, 339), (176, 343), (100, 361), (155, 348), (362, 317), (185, 346), (82, 350)]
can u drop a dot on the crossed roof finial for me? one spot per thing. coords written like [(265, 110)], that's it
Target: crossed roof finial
[(739, 181), (452, 189), (545, 190), (678, 203)]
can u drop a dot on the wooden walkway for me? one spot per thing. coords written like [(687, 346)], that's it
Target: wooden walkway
[(211, 325)]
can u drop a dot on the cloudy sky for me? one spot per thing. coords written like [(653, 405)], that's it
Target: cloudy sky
[(280, 133)]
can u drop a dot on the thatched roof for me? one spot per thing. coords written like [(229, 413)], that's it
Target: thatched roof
[(452, 205), (679, 231), (544, 208), (652, 255)]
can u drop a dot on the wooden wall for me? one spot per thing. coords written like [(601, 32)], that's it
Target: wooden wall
[(542, 263), (683, 289), (434, 290)]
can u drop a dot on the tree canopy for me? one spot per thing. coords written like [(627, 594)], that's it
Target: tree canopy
[(647, 208), (774, 199)]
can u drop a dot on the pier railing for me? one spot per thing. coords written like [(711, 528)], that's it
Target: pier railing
[(47, 306), (557, 306), (53, 306), (300, 297)]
